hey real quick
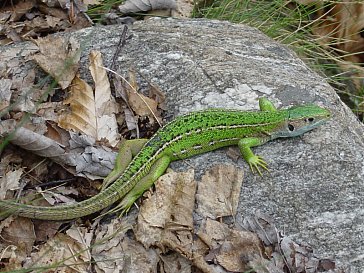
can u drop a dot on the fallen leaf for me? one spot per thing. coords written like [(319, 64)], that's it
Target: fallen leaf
[(298, 257), (91, 2), (185, 8), (262, 225), (20, 9), (16, 242), (82, 117), (226, 180), (17, 232), (59, 57), (5, 94), (158, 95), (173, 262), (105, 104), (92, 114), (133, 6), (10, 181), (282, 250), (165, 218), (45, 230), (84, 238), (261, 265), (231, 249), (113, 251), (24, 95), (140, 104), (59, 254), (36, 143), (130, 120), (165, 221), (58, 195)]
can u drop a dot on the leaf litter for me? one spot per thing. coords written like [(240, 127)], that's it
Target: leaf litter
[(22, 20)]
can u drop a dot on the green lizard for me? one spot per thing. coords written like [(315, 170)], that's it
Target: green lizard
[(141, 162)]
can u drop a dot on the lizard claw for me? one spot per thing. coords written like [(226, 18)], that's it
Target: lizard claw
[(256, 162)]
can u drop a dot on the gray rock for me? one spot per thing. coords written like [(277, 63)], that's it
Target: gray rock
[(315, 187)]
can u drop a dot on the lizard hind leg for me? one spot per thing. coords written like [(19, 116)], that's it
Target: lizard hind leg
[(128, 149), (156, 170)]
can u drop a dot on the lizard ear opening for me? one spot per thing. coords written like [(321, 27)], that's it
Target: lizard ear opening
[(310, 120), (291, 127)]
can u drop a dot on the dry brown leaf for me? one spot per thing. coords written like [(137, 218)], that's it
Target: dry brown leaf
[(105, 104), (84, 238), (19, 80), (60, 250), (59, 57), (17, 238), (48, 111), (24, 94), (15, 261), (5, 94), (166, 216), (34, 142), (113, 251), (262, 225), (130, 120), (283, 251), (140, 104), (82, 117), (92, 114), (261, 265), (232, 249), (91, 2), (54, 12), (226, 180), (18, 232), (33, 19), (158, 95), (107, 251), (20, 9), (9, 159), (84, 158), (185, 8), (165, 220), (10, 181), (298, 257), (132, 6), (45, 230), (58, 195), (173, 262)]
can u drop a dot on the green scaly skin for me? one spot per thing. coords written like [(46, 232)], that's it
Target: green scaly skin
[(141, 162)]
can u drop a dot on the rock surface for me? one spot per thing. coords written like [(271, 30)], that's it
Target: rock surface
[(315, 188)]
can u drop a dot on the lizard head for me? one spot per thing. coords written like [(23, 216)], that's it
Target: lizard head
[(304, 118)]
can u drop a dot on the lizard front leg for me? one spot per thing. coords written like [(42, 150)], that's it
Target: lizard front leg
[(254, 161)]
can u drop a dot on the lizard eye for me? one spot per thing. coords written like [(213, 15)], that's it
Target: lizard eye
[(290, 127)]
